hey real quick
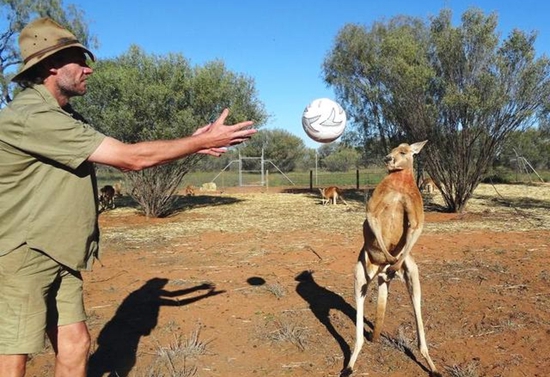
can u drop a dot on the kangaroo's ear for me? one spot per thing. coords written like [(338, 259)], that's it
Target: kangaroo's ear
[(417, 147)]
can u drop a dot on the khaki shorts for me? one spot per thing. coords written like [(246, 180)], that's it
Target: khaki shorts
[(36, 293)]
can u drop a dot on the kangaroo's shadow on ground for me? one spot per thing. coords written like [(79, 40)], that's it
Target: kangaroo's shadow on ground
[(321, 301), (137, 316)]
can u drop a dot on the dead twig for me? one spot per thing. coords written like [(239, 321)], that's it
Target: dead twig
[(314, 252)]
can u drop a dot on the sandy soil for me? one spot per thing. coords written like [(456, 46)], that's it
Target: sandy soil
[(260, 284)]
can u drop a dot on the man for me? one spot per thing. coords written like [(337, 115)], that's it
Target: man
[(48, 197)]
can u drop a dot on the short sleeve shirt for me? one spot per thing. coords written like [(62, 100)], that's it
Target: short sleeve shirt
[(48, 191)]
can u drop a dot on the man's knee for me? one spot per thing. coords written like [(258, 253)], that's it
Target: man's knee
[(82, 345), (13, 365), (73, 341)]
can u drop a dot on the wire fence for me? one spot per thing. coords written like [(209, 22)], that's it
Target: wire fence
[(270, 178), (362, 178), (276, 178)]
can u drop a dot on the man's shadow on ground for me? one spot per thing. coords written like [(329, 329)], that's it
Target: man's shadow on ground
[(137, 316)]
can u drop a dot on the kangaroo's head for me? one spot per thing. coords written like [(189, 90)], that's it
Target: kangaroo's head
[(401, 157)]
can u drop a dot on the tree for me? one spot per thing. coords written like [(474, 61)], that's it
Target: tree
[(326, 150), (16, 14), (138, 97), (458, 87), (343, 159), (530, 144), (281, 147)]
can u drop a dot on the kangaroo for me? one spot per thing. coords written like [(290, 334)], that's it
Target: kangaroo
[(190, 190), (107, 197), (427, 185), (331, 194), (395, 218), (118, 189)]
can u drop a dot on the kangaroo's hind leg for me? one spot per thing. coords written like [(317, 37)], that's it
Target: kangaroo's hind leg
[(365, 272)]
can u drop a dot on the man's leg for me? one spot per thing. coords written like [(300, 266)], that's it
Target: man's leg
[(67, 328), (12, 365), (72, 345), (22, 308)]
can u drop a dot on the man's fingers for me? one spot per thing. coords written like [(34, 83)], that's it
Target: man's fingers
[(222, 117), (240, 140), (219, 150), (244, 125), (247, 132)]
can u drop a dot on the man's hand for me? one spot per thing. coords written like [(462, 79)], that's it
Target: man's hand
[(223, 135)]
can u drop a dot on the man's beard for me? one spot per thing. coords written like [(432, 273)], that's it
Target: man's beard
[(71, 90)]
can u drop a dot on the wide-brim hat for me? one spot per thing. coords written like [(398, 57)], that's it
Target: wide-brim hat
[(42, 38)]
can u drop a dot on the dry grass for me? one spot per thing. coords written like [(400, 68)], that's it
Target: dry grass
[(276, 290), (400, 341), (176, 359), (467, 370), (498, 208), (289, 331)]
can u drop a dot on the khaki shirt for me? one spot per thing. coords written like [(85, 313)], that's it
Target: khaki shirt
[(48, 191)]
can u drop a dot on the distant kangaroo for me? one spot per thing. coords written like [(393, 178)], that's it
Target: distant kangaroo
[(190, 190), (395, 218), (428, 185), (331, 194), (107, 197), (118, 189)]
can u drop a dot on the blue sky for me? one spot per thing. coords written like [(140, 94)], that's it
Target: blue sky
[(280, 44)]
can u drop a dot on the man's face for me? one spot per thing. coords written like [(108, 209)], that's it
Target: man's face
[(72, 72)]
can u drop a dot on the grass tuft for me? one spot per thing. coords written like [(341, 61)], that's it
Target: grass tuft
[(176, 360), (466, 370)]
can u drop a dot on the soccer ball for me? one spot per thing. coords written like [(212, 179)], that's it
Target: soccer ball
[(324, 120)]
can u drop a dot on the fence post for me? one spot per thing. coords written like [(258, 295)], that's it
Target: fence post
[(311, 180), (357, 178)]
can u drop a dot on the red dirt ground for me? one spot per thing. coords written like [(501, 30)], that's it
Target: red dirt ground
[(486, 298)]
